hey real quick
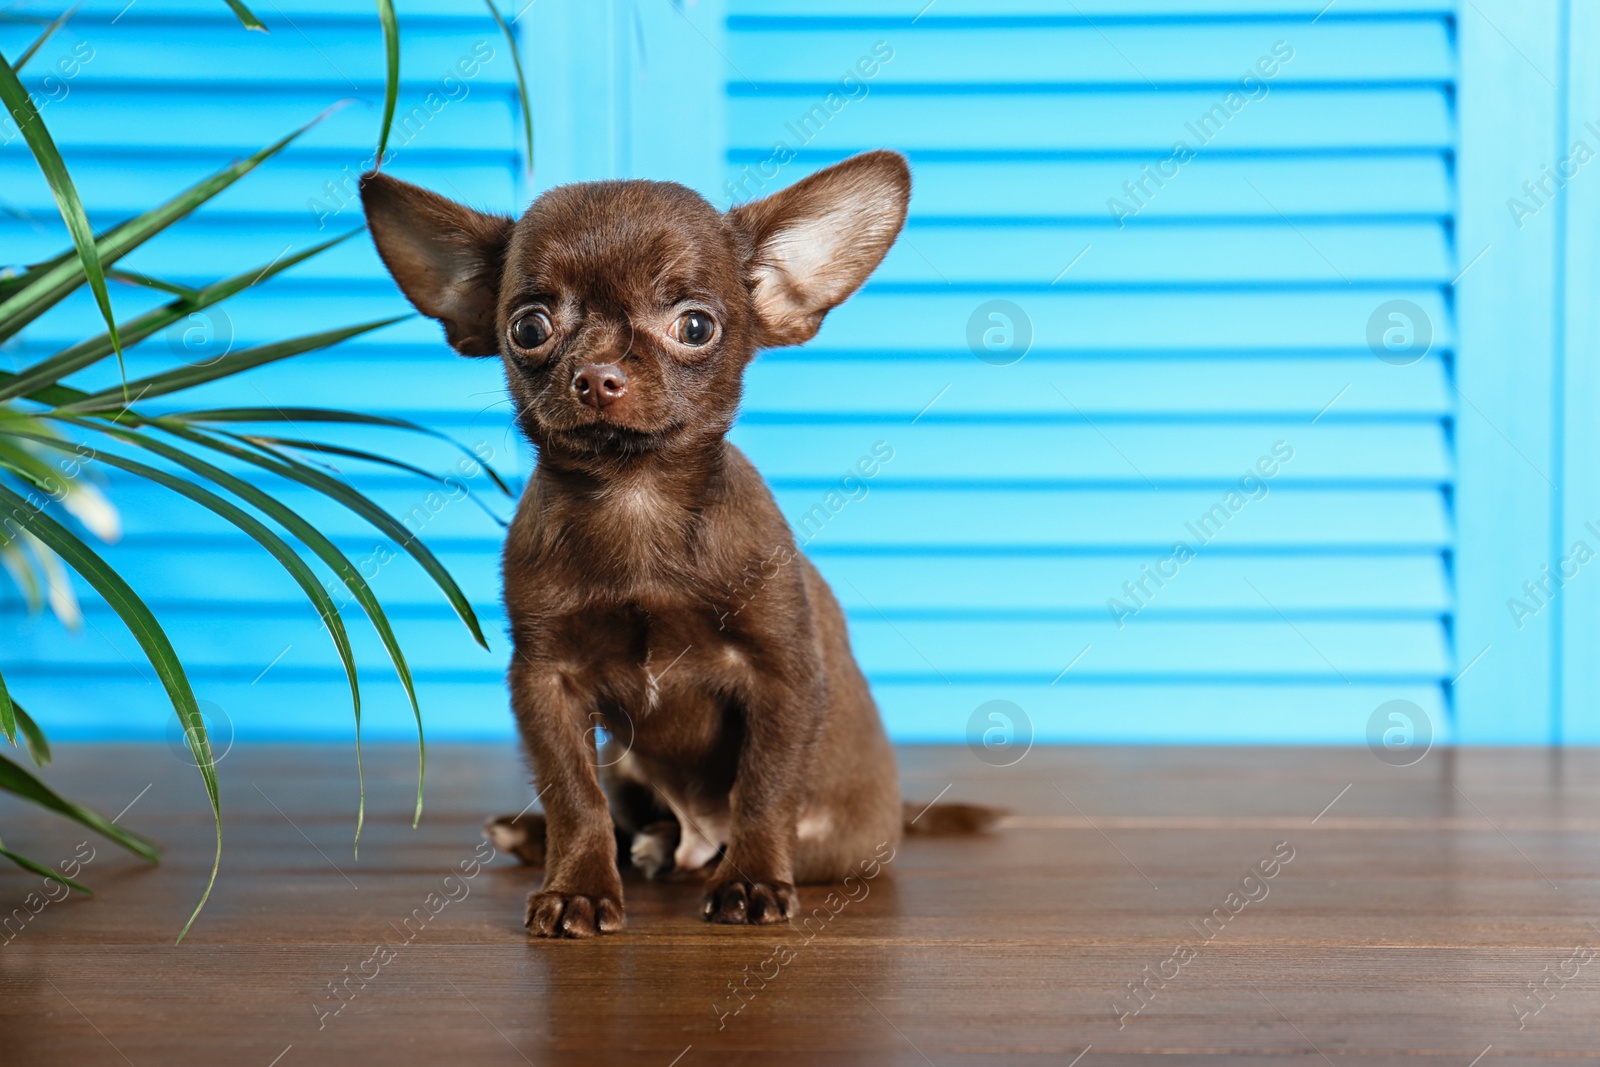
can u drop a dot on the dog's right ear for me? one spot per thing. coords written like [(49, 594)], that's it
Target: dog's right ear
[(445, 257)]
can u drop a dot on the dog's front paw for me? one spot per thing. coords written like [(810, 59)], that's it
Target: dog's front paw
[(738, 902), (557, 914)]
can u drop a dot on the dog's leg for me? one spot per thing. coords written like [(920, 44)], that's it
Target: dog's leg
[(582, 891), (754, 883)]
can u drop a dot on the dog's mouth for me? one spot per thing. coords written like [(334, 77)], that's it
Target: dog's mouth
[(604, 435)]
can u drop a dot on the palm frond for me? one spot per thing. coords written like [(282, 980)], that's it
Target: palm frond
[(246, 17), (391, 80), (44, 286), (39, 42), (20, 104), (152, 640)]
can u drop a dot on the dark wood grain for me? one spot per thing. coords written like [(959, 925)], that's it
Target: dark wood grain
[(1413, 911)]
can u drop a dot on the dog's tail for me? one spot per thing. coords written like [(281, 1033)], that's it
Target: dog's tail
[(942, 819)]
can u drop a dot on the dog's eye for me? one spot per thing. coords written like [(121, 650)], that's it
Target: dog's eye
[(694, 328), (529, 330)]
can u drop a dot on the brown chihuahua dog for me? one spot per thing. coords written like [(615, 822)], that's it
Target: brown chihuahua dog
[(653, 587)]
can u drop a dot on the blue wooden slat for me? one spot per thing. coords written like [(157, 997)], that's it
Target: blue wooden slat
[(456, 61), (1414, 584), (997, 451), (1291, 119), (114, 188), (794, 384), (1140, 56), (1406, 254), (1221, 322), (221, 125), (750, 12), (1060, 451), (1147, 519), (428, 379), (315, 13), (1323, 186), (1136, 710)]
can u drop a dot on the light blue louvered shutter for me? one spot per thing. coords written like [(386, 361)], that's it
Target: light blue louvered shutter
[(1185, 327), (173, 90), (1166, 357)]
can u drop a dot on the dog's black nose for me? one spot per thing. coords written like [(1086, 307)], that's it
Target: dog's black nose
[(600, 384)]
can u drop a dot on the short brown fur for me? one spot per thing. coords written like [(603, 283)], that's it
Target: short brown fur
[(654, 588)]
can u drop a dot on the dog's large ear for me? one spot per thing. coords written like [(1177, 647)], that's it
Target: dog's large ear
[(815, 242), (445, 257)]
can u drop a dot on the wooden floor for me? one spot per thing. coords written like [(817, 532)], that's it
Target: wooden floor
[(1417, 905)]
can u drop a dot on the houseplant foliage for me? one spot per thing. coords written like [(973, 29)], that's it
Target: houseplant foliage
[(53, 434)]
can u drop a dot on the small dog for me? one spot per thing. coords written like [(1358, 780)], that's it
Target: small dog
[(653, 587)]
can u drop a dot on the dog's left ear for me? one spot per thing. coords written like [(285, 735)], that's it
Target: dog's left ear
[(445, 257), (815, 242)]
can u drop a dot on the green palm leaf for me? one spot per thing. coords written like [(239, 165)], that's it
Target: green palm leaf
[(327, 415), (38, 868), (393, 529), (246, 17), (8, 714), (522, 82), (38, 746), (339, 491), (194, 374), (38, 43), (87, 353), (133, 277), (313, 539), (391, 81), (46, 286), (279, 550), (19, 781), (43, 146), (322, 448), (152, 639)]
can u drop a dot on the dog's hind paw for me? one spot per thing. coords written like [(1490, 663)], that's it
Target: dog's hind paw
[(652, 849), (521, 836)]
